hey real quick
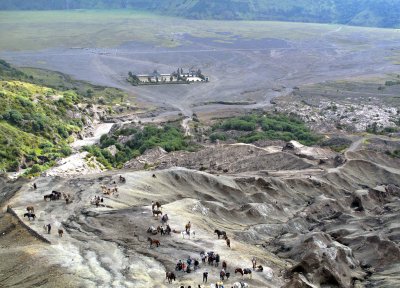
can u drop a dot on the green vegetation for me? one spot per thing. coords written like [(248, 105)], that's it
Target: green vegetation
[(393, 154), (36, 123), (168, 137), (37, 120), (133, 79), (256, 127), (381, 13), (392, 83), (94, 94)]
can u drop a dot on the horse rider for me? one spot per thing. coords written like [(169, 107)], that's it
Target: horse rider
[(217, 258), (222, 274), (187, 227), (168, 229), (196, 264), (254, 262), (164, 218), (48, 228)]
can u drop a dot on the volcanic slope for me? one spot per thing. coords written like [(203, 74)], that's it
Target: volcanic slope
[(317, 225)]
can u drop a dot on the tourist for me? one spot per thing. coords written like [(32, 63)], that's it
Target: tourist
[(205, 276)]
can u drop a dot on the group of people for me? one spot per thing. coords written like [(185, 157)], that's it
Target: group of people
[(187, 266), (97, 200), (210, 258)]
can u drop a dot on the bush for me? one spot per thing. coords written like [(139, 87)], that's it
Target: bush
[(274, 127), (217, 136), (35, 169)]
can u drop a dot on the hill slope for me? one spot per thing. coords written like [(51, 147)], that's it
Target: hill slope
[(37, 122), (379, 13)]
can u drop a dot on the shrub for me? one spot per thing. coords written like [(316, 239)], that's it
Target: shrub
[(217, 136), (35, 169)]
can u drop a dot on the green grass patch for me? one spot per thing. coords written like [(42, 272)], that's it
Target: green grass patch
[(255, 127)]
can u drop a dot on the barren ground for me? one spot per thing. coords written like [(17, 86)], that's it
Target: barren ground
[(271, 212)]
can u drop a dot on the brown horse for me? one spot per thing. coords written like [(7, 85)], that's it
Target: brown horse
[(228, 242), (30, 209), (245, 271), (153, 241), (60, 232), (170, 276)]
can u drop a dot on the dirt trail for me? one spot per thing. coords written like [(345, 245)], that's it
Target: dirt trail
[(101, 129)]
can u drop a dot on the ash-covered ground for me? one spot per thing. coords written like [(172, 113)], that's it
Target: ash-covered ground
[(316, 218)]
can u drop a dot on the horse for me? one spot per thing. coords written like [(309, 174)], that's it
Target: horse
[(170, 276), (228, 242), (152, 230), (259, 268), (210, 258), (60, 232), (240, 285), (244, 271), (157, 204), (57, 195), (153, 241), (157, 213), (30, 215), (220, 233), (190, 233), (49, 196), (30, 209), (224, 265)]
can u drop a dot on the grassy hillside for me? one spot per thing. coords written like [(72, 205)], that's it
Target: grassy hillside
[(37, 122), (377, 13)]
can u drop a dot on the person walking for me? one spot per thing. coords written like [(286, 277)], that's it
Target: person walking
[(254, 262), (217, 258), (205, 276), (187, 227)]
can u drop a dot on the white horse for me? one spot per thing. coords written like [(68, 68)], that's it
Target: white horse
[(189, 234), (240, 285), (269, 273)]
